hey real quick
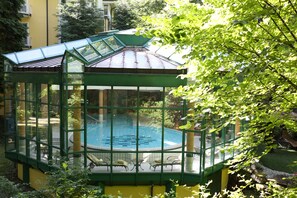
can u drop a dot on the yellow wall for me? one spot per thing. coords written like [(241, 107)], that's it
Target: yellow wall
[(184, 191), (133, 191), (37, 179), (37, 22), (20, 171), (225, 176)]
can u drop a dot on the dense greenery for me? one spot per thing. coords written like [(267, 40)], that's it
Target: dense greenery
[(128, 13), (79, 19), (12, 32), (242, 56)]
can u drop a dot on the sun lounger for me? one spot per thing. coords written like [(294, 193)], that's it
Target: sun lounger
[(94, 161), (170, 161)]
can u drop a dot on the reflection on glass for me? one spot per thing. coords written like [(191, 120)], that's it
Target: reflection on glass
[(151, 97), (125, 96), (74, 65), (55, 94), (112, 42), (88, 53), (98, 96), (172, 101), (30, 92), (102, 47)]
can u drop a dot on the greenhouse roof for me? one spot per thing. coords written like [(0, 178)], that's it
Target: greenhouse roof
[(112, 50)]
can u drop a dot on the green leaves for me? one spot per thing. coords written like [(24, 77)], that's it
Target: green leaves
[(242, 62)]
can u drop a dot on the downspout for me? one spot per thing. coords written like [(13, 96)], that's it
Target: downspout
[(47, 39)]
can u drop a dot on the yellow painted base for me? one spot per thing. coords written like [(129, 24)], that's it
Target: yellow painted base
[(38, 179), (186, 191), (224, 181), (20, 172)]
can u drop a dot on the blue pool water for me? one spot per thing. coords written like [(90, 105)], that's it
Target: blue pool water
[(124, 136)]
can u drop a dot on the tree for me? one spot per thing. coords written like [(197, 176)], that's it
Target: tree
[(243, 60), (128, 13), (79, 19), (12, 32)]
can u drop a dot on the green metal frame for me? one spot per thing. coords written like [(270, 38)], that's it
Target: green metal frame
[(64, 79)]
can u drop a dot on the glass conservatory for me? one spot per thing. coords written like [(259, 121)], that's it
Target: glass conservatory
[(104, 103)]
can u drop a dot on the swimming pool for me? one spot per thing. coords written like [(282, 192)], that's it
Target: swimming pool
[(124, 136)]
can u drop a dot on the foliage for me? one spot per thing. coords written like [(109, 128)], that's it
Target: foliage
[(79, 19), (7, 188), (70, 181), (242, 57), (12, 32), (128, 13)]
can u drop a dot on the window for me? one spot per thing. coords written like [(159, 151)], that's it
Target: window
[(27, 41), (25, 8)]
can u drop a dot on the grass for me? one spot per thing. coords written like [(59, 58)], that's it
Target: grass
[(281, 160)]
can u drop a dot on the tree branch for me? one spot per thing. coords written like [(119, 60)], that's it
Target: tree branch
[(292, 6), (283, 21)]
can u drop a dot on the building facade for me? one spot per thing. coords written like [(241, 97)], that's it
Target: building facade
[(39, 16)]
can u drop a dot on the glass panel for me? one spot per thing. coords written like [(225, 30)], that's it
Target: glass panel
[(98, 96), (173, 119), (29, 55), (11, 57), (7, 66), (22, 145), (171, 101), (166, 51), (141, 162), (88, 53), (112, 42), (74, 78), (8, 91), (98, 129), (151, 97), (120, 162), (172, 134), (55, 94), (173, 161), (21, 91), (55, 125), (125, 96), (43, 151), (124, 130), (75, 44), (155, 162), (102, 47), (10, 142), (75, 96), (75, 119), (33, 149), (31, 120), (99, 161), (74, 65), (54, 50), (150, 129), (30, 92)]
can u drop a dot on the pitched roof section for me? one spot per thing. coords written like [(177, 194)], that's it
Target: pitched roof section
[(135, 58), (107, 52)]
